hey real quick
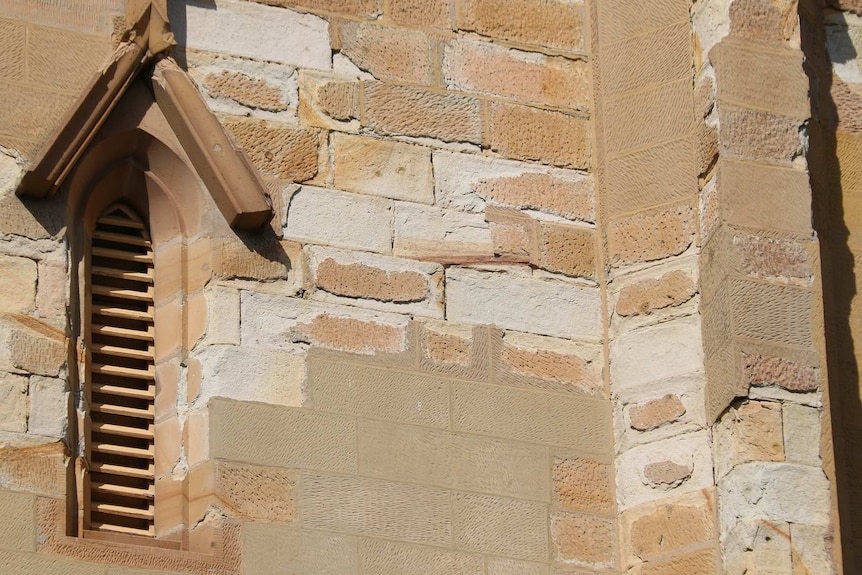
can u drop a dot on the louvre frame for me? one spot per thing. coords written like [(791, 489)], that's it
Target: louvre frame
[(119, 486)]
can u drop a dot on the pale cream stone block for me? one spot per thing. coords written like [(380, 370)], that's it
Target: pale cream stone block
[(49, 407), (13, 402)]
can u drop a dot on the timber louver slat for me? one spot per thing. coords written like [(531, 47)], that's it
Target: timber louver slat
[(120, 376)]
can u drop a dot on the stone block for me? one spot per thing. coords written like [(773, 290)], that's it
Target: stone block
[(773, 259), (285, 151), (13, 402), (677, 465), (12, 47), (748, 194), (52, 291), (468, 182), (649, 117), (703, 561), (392, 110), (522, 300), (17, 284), (503, 566), (583, 485), (254, 492), (356, 505), (780, 314), (500, 526), (655, 413), (550, 363), (329, 217), (771, 491), (758, 135), (645, 296), (661, 56), (550, 25), (246, 90), (651, 354), (651, 235), (456, 461), (749, 432), (394, 54), (450, 343), (441, 235), (567, 249), (578, 423), (64, 60), (298, 437), (524, 133), (18, 528), (634, 18), (254, 31), (222, 316), (650, 177), (250, 374), (765, 79), (390, 395), (794, 376), (767, 23), (49, 407), (383, 168), (32, 111), (31, 345), (758, 547), (379, 557), (523, 76), (420, 13), (808, 548), (515, 235), (802, 430), (38, 468), (361, 8), (280, 322), (376, 282), (329, 101), (659, 529), (282, 550), (584, 540)]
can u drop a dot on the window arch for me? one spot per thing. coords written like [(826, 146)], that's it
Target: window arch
[(119, 385)]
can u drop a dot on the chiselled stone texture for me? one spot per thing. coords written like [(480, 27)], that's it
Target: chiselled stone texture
[(671, 289), (281, 150), (525, 133), (551, 25), (389, 53)]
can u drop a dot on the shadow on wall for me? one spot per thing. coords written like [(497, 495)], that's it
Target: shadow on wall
[(828, 47), (179, 24)]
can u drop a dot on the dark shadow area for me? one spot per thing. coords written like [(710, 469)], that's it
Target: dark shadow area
[(833, 224)]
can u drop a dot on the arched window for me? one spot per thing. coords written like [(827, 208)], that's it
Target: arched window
[(119, 385)]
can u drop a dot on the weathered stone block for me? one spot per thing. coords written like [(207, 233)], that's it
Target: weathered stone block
[(583, 485), (758, 135), (481, 464), (500, 526), (410, 111), (655, 413), (317, 440), (524, 133), (13, 402), (524, 76), (651, 235), (802, 431), (441, 235), (329, 101), (31, 345), (523, 301), (468, 182), (284, 151), (643, 297), (566, 249), (383, 168), (660, 529), (395, 54), (785, 373), (585, 540), (552, 25)]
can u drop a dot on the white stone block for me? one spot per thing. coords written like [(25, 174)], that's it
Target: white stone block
[(273, 321), (13, 402), (692, 450), (222, 316), (431, 274), (49, 407), (339, 219), (458, 179), (801, 434), (17, 284), (253, 31), (774, 492), (655, 353), (523, 300), (432, 233), (250, 374), (809, 545), (758, 548)]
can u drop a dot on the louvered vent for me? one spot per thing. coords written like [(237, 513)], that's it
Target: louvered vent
[(121, 376)]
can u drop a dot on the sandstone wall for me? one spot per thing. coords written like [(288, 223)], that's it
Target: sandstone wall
[(524, 260)]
